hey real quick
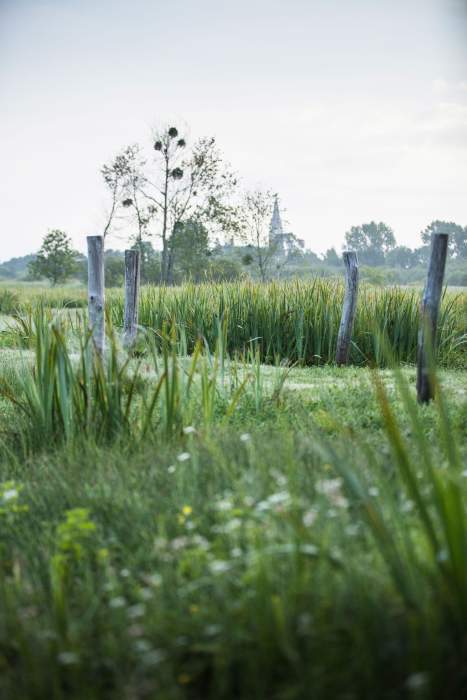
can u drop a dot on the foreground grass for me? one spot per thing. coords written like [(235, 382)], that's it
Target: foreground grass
[(276, 554)]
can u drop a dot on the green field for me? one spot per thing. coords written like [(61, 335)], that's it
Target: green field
[(218, 518)]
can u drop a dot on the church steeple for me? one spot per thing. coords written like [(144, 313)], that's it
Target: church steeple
[(275, 228)]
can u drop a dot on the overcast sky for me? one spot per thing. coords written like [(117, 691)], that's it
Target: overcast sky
[(351, 110)]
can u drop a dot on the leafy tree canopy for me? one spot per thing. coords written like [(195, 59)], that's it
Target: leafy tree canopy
[(371, 241), (457, 236), (56, 259), (190, 249)]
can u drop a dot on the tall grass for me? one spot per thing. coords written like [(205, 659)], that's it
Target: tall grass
[(296, 321), (299, 321), (68, 392)]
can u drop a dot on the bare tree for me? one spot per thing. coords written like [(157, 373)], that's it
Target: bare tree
[(255, 230), (116, 175), (178, 184), (125, 177), (190, 185)]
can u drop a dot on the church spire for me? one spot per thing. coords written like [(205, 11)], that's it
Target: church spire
[(275, 228)]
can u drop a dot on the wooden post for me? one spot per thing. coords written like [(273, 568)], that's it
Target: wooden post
[(429, 316), (349, 308), (132, 279), (96, 295)]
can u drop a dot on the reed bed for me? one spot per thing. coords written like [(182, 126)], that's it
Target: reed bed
[(293, 322), (299, 321)]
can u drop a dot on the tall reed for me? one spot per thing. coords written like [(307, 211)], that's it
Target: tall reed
[(300, 320)]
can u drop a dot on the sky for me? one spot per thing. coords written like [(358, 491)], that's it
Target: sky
[(351, 110)]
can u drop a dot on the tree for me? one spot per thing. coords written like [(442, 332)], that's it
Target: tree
[(256, 216), (371, 241), (223, 269), (114, 267), (56, 259), (457, 237), (150, 262), (401, 256), (125, 177), (176, 185), (331, 258), (189, 249)]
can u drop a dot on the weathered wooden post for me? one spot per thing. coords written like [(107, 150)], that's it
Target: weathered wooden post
[(132, 279), (349, 308), (429, 316), (96, 297)]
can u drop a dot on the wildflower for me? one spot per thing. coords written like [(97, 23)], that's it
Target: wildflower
[(279, 498), (328, 486), (67, 658), (187, 510), (189, 429), (219, 566), (136, 611), (171, 469), (352, 530), (118, 602), (142, 645), (373, 491), (154, 580), (310, 549), (154, 657), (244, 437), (309, 517), (194, 609), (200, 541), (417, 681), (145, 593), (124, 573), (9, 495), (179, 543), (183, 456), (224, 504)]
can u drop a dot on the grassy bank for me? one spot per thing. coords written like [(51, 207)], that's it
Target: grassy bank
[(268, 532)]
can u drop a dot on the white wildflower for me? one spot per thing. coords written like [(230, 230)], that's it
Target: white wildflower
[(224, 504), (189, 429), (135, 611), (68, 658), (244, 437), (328, 486), (118, 602), (219, 566), (309, 517), (183, 456)]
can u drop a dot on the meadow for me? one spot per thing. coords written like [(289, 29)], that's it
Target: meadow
[(224, 513)]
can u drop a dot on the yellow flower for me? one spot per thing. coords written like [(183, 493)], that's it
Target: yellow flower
[(187, 510)]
